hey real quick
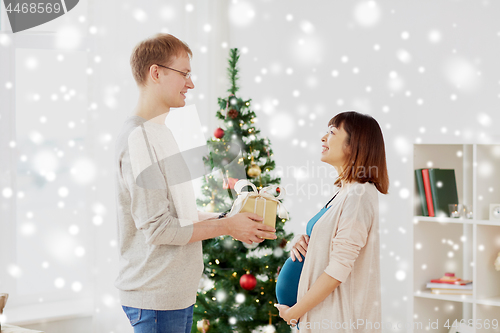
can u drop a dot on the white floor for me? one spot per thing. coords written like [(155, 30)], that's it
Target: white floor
[(76, 325)]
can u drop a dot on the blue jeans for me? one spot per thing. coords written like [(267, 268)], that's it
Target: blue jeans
[(158, 321)]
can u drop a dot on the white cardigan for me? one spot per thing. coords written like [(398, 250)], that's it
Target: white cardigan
[(345, 244)]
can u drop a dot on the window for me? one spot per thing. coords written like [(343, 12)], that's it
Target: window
[(45, 241), (51, 172)]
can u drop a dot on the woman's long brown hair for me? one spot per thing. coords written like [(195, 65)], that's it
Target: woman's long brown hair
[(365, 151)]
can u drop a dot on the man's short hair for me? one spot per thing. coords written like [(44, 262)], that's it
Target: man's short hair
[(159, 49)]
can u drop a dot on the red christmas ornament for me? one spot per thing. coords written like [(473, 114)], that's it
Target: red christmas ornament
[(248, 281), (219, 133)]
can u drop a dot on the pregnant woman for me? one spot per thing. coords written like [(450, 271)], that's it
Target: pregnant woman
[(288, 280), (332, 279)]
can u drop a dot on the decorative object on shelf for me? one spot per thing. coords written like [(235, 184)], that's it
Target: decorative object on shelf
[(495, 212), (468, 211), (455, 210), (260, 202), (248, 281), (497, 262), (449, 278), (460, 211)]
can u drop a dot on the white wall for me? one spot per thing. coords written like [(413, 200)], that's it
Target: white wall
[(427, 71)]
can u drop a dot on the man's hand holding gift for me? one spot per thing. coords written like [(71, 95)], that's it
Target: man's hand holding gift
[(260, 207), (248, 228)]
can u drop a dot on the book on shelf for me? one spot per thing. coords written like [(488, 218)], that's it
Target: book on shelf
[(428, 192), (421, 192), (458, 282), (444, 190), (437, 188), (432, 285), (450, 283), (450, 291)]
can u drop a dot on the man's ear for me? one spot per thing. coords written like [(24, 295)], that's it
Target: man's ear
[(154, 73)]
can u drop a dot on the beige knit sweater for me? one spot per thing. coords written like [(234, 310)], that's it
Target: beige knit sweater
[(345, 244), (159, 269)]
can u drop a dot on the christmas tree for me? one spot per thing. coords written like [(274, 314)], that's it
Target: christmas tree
[(238, 293)]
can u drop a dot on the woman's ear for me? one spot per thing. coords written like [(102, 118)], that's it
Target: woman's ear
[(348, 154), (347, 149)]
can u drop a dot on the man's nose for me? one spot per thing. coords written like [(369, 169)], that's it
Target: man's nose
[(190, 83)]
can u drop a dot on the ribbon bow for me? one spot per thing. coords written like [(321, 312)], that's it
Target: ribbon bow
[(263, 193)]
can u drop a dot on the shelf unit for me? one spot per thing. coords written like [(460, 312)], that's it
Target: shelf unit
[(467, 247)]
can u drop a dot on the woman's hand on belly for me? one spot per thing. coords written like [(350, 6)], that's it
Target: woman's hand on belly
[(287, 314), (300, 247)]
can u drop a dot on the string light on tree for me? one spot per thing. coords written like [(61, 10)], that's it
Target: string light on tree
[(240, 298)]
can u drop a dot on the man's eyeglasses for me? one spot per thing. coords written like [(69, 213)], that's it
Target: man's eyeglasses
[(186, 75)]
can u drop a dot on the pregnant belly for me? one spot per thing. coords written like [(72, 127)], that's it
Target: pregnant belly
[(288, 282)]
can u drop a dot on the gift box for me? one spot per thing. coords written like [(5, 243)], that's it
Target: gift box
[(262, 202), (262, 207)]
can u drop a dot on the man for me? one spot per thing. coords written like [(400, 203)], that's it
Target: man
[(160, 229)]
